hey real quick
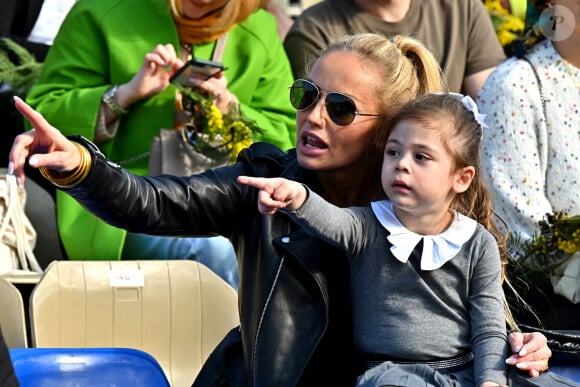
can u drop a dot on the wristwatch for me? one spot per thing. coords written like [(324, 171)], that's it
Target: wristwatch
[(109, 100)]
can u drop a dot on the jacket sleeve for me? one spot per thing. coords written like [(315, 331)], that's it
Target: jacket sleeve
[(488, 336), (267, 102), (204, 204), (73, 78), (340, 227)]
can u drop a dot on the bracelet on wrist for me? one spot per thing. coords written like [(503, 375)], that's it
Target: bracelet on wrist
[(72, 178), (109, 100)]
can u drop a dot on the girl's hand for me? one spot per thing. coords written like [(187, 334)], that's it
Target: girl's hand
[(276, 193), (531, 352), (217, 88), (44, 146), (153, 77)]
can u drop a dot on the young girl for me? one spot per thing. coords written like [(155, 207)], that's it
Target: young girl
[(425, 266)]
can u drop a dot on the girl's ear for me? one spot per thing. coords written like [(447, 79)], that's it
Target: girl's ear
[(463, 179)]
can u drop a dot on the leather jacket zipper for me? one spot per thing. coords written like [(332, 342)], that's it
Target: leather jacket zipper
[(266, 304)]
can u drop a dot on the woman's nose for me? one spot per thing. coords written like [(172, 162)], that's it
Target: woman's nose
[(315, 112)]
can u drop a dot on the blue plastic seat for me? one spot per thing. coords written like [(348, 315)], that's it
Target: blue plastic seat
[(566, 366), (35, 367)]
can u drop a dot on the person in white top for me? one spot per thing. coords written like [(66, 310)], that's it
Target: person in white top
[(33, 23), (531, 154)]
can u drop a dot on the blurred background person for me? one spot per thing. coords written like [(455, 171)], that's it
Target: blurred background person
[(96, 82), (284, 17), (32, 24), (459, 33), (531, 152)]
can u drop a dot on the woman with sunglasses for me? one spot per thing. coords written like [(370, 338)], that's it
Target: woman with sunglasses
[(295, 315)]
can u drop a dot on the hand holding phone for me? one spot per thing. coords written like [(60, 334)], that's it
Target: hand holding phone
[(206, 68)]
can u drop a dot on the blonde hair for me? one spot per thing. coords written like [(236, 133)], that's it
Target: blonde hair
[(406, 68), (461, 135), (215, 24)]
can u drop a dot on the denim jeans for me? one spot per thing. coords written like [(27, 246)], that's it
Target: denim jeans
[(217, 253)]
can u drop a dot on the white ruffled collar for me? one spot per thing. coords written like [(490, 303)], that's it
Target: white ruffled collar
[(437, 249)]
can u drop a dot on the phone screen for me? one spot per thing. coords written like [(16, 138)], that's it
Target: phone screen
[(207, 68)]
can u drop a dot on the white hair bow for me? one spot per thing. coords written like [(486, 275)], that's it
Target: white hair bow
[(470, 104)]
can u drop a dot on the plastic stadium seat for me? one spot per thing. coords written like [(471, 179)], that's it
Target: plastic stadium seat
[(175, 310), (36, 367), (12, 318)]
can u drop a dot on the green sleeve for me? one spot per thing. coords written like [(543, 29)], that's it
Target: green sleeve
[(270, 105), (74, 77), (260, 74)]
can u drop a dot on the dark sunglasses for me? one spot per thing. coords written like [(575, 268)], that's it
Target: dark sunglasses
[(340, 107)]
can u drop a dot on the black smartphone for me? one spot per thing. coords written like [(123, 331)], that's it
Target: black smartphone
[(207, 68)]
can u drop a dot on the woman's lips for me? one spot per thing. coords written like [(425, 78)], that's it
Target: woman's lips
[(311, 146), (313, 142)]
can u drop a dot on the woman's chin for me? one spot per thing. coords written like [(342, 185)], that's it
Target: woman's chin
[(311, 162)]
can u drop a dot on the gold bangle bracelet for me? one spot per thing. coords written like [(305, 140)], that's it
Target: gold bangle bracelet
[(74, 177)]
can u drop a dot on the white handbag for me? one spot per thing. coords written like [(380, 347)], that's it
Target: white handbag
[(17, 235), (566, 278)]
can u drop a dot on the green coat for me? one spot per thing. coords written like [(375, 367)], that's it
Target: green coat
[(103, 43)]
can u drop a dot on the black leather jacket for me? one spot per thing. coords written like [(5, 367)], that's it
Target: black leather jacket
[(295, 317)]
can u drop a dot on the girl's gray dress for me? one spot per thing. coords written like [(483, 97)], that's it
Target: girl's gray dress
[(418, 298)]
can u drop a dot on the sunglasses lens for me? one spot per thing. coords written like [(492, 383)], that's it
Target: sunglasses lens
[(341, 109), (303, 94)]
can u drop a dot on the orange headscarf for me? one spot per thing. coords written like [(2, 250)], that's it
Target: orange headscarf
[(215, 24)]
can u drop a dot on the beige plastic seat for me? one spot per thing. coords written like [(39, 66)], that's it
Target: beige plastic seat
[(177, 311), (12, 319)]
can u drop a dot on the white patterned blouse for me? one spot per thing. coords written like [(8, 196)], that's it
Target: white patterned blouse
[(532, 161)]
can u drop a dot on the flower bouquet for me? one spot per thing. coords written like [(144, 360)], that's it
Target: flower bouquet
[(208, 140), (215, 134), (544, 257), (508, 28)]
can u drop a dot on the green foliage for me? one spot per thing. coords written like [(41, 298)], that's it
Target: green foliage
[(212, 132), (21, 73), (559, 237)]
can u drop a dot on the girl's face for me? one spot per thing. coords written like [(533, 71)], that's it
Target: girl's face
[(418, 172), (321, 144), (195, 9)]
